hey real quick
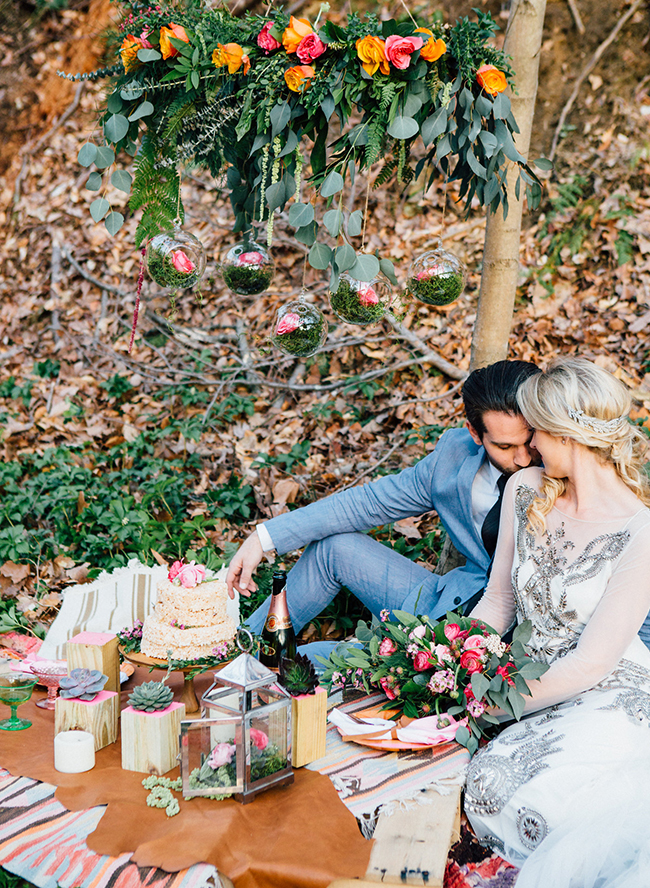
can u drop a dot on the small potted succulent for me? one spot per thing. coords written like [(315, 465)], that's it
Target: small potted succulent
[(437, 277), (247, 268), (175, 259), (82, 684), (358, 302), (299, 329), (308, 709), (152, 696)]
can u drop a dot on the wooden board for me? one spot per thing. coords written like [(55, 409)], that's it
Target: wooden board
[(99, 717), (411, 846), (308, 727), (150, 740), (95, 650)]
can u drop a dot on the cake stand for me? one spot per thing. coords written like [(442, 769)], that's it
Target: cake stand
[(188, 696)]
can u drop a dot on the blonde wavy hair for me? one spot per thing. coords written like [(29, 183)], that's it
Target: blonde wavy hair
[(577, 386)]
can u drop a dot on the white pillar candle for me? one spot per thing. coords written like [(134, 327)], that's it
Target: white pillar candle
[(74, 752)]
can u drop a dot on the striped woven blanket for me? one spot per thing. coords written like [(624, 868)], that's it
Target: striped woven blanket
[(366, 778), (46, 844)]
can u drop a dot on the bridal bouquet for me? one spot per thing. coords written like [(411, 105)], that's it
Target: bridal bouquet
[(455, 669)]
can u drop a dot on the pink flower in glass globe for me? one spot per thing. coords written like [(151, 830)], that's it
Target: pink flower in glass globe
[(288, 324), (182, 262), (367, 295), (431, 271), (250, 258)]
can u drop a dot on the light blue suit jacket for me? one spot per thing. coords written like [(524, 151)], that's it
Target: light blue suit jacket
[(441, 481)]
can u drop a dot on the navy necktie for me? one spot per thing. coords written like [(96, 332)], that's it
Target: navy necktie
[(490, 528)]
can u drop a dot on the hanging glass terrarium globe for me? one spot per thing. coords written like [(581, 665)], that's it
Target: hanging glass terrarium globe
[(299, 329), (247, 268), (361, 302), (437, 277), (175, 259)]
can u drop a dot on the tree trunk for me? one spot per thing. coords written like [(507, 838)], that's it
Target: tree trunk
[(502, 237)]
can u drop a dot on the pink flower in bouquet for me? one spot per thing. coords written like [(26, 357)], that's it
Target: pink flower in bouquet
[(265, 41), (422, 661), (452, 630), (503, 671), (174, 570), (400, 49), (474, 643), (288, 324), (143, 39), (441, 681), (221, 755), (418, 632), (443, 654), (387, 647), (390, 693), (182, 262), (310, 48), (472, 661), (384, 615), (475, 708), (191, 575), (259, 738), (253, 257), (367, 296)]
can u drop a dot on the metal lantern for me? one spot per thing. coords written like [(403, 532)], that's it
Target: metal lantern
[(243, 745)]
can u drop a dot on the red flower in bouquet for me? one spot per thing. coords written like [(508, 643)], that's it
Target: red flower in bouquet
[(266, 41), (422, 661), (504, 672), (472, 661)]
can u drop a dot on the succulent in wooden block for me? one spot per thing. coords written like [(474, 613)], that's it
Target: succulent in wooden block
[(151, 697), (82, 684), (298, 676)]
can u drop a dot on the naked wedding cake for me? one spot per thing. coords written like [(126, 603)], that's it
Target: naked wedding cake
[(189, 617)]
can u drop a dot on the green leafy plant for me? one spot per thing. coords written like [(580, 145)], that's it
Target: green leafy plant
[(298, 676)]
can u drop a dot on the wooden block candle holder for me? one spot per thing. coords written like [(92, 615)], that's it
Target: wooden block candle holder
[(99, 717), (95, 650), (308, 727), (150, 740)]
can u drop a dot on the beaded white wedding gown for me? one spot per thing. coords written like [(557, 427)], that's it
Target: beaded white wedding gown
[(565, 793)]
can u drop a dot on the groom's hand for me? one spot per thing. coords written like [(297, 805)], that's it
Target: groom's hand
[(244, 562)]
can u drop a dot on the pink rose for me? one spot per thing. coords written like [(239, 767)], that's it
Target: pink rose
[(418, 632), (471, 661), (253, 257), (182, 262), (474, 643), (400, 49), (367, 296), (174, 570), (310, 48), (452, 630), (143, 39), (288, 324), (191, 575), (221, 755), (421, 661), (265, 41), (387, 647), (259, 738), (390, 693), (432, 271), (503, 671), (443, 654)]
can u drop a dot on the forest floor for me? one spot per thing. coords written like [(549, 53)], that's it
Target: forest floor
[(203, 430)]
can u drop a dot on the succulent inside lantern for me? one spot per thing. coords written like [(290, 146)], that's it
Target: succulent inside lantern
[(358, 302), (82, 684), (151, 696), (437, 277), (247, 268), (175, 259), (299, 329)]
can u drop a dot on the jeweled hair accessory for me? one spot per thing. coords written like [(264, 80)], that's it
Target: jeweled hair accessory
[(596, 425)]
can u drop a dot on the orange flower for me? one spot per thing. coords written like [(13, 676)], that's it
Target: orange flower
[(432, 49), (372, 52), (129, 52), (233, 55), (178, 31), (491, 79), (298, 28), (299, 77)]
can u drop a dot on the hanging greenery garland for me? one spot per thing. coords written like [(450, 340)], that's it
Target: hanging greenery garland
[(241, 94)]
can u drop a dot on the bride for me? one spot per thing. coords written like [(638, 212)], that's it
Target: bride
[(565, 793)]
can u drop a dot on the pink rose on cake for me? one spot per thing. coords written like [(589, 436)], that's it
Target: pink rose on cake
[(174, 570), (191, 575)]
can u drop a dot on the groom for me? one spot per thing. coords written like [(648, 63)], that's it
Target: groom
[(462, 480)]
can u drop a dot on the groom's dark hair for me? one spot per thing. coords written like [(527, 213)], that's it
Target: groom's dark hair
[(495, 388)]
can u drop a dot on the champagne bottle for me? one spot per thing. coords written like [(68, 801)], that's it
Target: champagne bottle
[(278, 637)]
